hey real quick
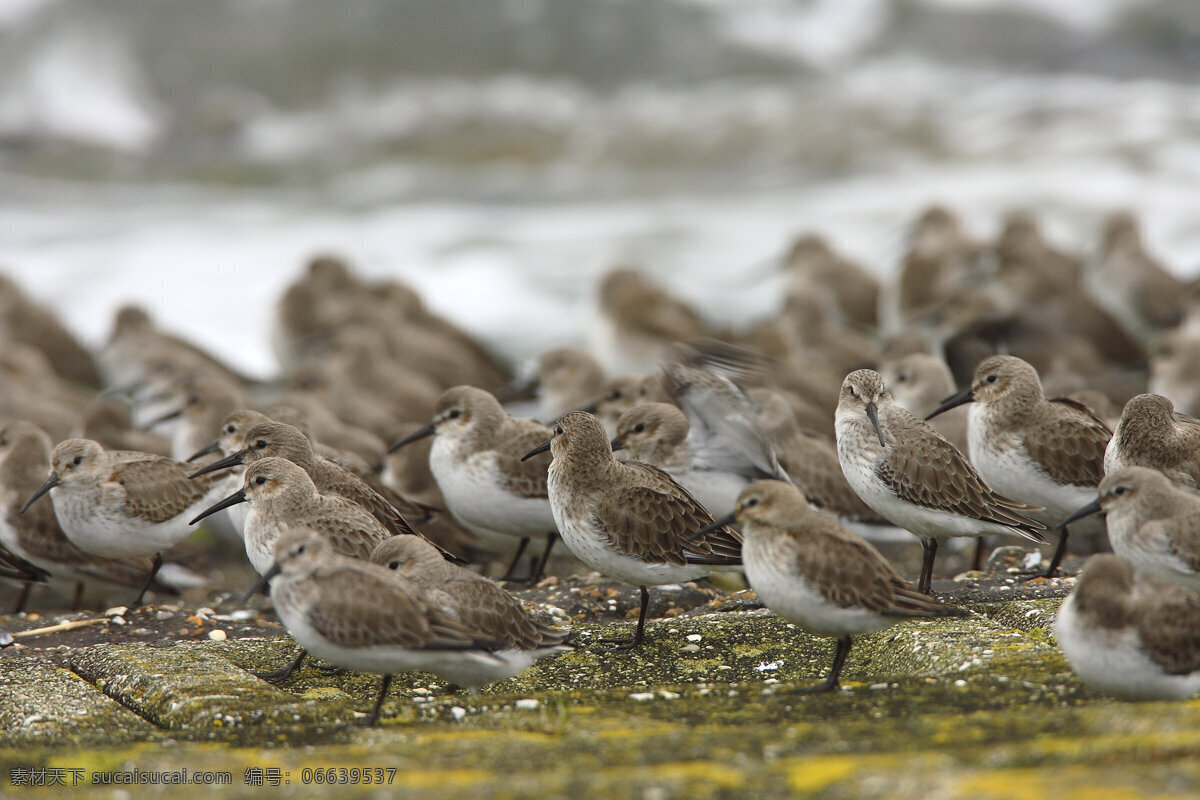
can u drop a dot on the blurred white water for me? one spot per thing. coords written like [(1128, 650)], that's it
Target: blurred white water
[(190, 157)]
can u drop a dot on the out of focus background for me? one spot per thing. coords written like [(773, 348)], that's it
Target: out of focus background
[(190, 156)]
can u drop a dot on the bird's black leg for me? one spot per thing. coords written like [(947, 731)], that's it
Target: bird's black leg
[(1060, 550), (383, 690), (23, 598), (929, 546), (283, 673), (509, 574), (154, 568), (839, 660), (624, 644)]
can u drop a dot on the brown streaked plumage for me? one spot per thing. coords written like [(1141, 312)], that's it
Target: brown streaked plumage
[(638, 321), (1152, 523), (815, 573), (1044, 452), (476, 460), (480, 603), (121, 504), (36, 535), (366, 617), (276, 439), (630, 521), (903, 469), (1151, 433), (919, 382), (1130, 634), (281, 495)]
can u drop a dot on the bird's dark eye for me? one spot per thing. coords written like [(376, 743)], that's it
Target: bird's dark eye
[(301, 548), (991, 378), (261, 444), (1119, 490), (260, 480), (615, 394), (558, 431), (454, 414), (393, 565), (753, 501), (641, 426), (231, 429), (77, 460)]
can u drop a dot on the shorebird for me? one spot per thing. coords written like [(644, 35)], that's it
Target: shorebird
[(637, 321), (282, 496), (658, 434), (200, 411), (476, 460), (1129, 634), (1152, 523), (25, 321), (121, 504), (630, 521), (480, 603), (815, 573), (1151, 433), (919, 382), (1141, 292), (36, 536), (1043, 452), (621, 394), (272, 439), (911, 476), (366, 617), (564, 379)]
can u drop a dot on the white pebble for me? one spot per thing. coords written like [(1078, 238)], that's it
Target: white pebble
[(527, 704), (694, 637), (117, 611), (118, 620), (458, 712), (217, 635), (642, 697)]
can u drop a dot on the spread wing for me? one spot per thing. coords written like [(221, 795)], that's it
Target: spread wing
[(1071, 451), (655, 523), (158, 489), (722, 431), (925, 469)]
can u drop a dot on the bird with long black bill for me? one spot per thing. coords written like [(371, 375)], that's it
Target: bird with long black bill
[(911, 476), (630, 521), (1045, 452), (476, 461), (810, 570)]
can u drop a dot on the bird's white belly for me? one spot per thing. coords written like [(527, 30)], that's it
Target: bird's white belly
[(1113, 661), (793, 598), (473, 494)]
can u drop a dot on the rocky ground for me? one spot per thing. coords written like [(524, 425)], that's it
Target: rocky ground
[(712, 706)]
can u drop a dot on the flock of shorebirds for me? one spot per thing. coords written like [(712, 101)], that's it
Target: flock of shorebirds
[(377, 478)]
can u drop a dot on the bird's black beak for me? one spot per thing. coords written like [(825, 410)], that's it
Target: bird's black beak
[(263, 581), (953, 401), (616, 444), (1091, 508), (419, 433), (50, 483), (212, 447), (231, 460), (873, 415), (167, 417), (541, 448), (723, 522), (237, 497), (519, 389)]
